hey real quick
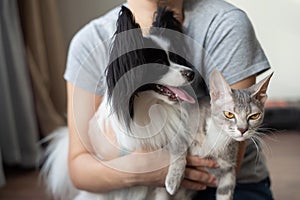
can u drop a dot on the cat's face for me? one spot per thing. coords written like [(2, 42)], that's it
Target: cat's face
[(237, 112)]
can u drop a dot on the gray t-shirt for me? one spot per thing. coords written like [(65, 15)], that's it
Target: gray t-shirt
[(224, 40)]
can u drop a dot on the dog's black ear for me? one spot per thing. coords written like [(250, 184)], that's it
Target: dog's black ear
[(125, 54), (128, 35), (126, 20), (165, 19), (167, 27)]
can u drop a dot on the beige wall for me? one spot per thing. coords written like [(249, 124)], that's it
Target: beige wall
[(278, 28), (76, 13)]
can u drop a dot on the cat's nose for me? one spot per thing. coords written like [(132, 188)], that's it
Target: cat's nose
[(243, 130), (188, 74)]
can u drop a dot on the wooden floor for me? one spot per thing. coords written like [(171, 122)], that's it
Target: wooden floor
[(23, 185), (283, 155)]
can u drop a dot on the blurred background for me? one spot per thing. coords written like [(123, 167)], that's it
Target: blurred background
[(34, 38)]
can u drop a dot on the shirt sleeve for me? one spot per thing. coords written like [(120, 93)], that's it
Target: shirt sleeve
[(231, 46), (87, 60)]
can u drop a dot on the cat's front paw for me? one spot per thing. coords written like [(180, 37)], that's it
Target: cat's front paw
[(175, 174), (172, 184)]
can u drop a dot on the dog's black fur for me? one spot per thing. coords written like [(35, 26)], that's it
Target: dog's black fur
[(130, 50)]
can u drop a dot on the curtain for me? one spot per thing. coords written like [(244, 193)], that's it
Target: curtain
[(46, 57), (18, 127), (32, 89)]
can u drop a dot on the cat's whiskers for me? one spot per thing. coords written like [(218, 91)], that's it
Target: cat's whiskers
[(269, 133), (264, 135), (257, 148), (262, 143), (227, 141), (266, 129)]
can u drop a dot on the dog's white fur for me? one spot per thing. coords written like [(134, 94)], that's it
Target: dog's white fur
[(157, 122)]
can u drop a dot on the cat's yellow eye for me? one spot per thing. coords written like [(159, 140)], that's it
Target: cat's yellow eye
[(254, 116), (229, 115)]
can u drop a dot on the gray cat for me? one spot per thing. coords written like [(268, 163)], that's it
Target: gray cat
[(231, 116)]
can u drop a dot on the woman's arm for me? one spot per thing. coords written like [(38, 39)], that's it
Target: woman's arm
[(86, 172), (90, 174)]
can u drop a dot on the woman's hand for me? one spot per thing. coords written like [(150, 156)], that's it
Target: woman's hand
[(196, 177)]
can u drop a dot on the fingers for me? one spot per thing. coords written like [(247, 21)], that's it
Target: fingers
[(196, 161), (200, 176), (196, 177), (192, 185)]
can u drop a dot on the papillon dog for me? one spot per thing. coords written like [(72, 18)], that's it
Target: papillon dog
[(146, 104)]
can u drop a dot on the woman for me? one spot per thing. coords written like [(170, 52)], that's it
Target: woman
[(230, 45)]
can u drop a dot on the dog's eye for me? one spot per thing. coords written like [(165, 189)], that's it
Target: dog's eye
[(178, 59), (160, 61), (175, 58), (156, 56)]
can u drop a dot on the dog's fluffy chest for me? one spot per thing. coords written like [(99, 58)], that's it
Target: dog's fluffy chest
[(154, 125)]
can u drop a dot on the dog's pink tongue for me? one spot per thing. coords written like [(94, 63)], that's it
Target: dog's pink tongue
[(182, 95)]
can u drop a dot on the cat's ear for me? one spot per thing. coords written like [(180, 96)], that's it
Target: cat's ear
[(259, 90), (219, 88)]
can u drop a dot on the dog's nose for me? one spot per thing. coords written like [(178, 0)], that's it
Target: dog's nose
[(188, 74)]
